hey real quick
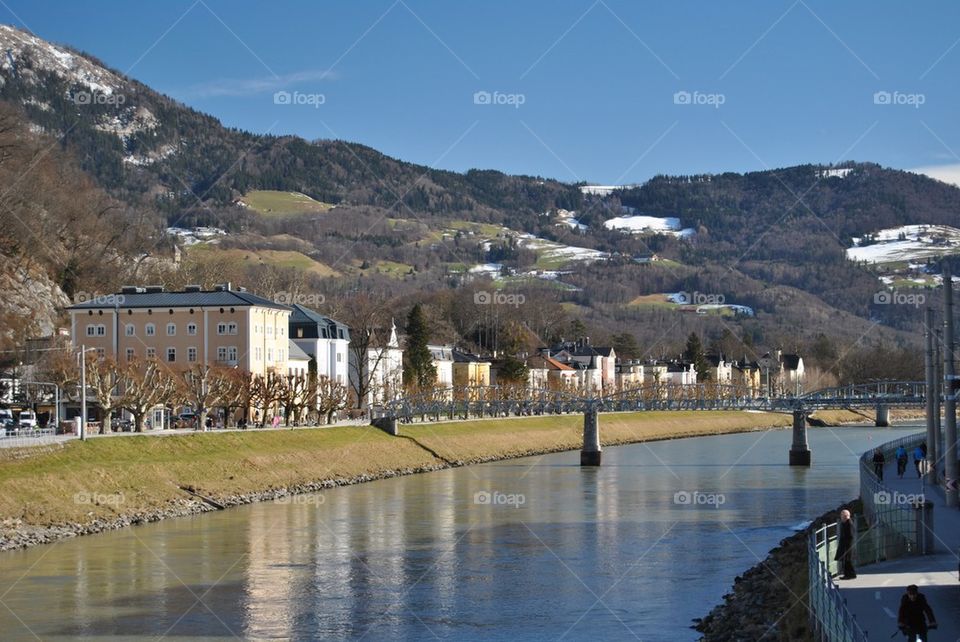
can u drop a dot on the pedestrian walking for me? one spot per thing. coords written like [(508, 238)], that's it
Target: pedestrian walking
[(915, 616), (878, 462), (919, 454), (901, 461), (845, 547)]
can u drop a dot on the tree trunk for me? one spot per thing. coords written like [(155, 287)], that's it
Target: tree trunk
[(105, 424), (138, 420), (202, 418)]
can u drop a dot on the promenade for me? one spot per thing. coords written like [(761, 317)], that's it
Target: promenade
[(874, 596)]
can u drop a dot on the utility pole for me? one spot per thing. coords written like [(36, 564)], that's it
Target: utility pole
[(931, 391), (949, 392), (83, 393)]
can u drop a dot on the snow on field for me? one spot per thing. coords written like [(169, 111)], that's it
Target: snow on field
[(906, 243), (641, 224), (552, 251), (190, 236), (492, 270)]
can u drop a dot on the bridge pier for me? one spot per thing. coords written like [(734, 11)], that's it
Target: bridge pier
[(883, 416), (590, 454), (386, 424), (799, 451)]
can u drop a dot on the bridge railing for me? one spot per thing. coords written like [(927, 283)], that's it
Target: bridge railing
[(831, 619)]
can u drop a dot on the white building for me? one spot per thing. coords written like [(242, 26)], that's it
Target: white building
[(442, 356), (324, 340), (381, 369)]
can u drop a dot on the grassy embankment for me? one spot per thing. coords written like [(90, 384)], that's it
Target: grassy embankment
[(39, 486)]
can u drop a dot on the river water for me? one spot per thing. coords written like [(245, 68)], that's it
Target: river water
[(531, 549)]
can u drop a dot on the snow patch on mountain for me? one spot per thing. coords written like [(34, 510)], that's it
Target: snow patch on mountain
[(641, 224), (905, 243)]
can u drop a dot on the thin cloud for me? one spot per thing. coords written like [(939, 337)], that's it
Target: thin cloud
[(261, 85), (947, 173)]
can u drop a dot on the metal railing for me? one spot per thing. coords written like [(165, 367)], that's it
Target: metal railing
[(898, 528), (832, 621), (27, 437)]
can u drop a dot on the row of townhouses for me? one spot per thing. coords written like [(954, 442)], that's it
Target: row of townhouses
[(230, 327)]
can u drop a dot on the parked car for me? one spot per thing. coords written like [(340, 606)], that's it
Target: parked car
[(8, 426), (27, 419)]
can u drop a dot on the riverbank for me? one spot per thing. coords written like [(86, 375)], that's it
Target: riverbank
[(78, 488), (769, 601)]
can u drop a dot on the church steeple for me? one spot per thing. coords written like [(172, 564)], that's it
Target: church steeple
[(393, 342)]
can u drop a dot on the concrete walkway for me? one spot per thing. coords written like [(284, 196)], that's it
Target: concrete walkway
[(874, 596)]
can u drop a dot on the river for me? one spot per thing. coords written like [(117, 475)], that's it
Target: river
[(531, 549)]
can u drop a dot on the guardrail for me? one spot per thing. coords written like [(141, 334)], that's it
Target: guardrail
[(27, 437), (899, 528), (832, 621)]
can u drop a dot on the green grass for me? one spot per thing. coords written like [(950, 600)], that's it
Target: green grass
[(277, 258), (39, 486), (274, 203)]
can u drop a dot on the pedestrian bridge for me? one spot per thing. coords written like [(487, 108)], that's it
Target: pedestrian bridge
[(503, 401), (449, 404)]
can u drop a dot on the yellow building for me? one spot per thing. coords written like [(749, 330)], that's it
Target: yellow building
[(470, 370), (225, 326)]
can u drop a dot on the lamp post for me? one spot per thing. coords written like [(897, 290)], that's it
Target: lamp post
[(83, 392)]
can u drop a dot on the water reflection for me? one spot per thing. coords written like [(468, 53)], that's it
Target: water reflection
[(589, 553)]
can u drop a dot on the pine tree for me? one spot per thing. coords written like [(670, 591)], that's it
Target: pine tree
[(694, 354), (418, 368)]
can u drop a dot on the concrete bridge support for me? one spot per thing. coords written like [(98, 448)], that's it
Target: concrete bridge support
[(883, 416), (799, 451), (590, 455), (386, 424)]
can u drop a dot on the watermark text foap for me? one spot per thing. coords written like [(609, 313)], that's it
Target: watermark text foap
[(896, 498), (698, 498), (699, 298), (299, 98), (893, 297), (98, 499), (496, 498), (99, 299), (498, 98), (714, 100), (899, 98), (311, 499), (498, 298), (299, 298), (85, 97)]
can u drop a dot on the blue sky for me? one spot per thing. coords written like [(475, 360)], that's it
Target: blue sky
[(579, 90)]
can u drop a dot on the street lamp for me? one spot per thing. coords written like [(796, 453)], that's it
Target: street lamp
[(83, 392)]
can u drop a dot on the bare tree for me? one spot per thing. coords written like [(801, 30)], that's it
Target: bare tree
[(103, 376), (367, 316), (331, 397), (147, 384), (203, 387), (265, 392)]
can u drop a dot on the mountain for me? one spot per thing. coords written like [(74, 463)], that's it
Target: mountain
[(765, 252)]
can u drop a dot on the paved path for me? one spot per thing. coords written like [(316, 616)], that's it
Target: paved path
[(875, 595)]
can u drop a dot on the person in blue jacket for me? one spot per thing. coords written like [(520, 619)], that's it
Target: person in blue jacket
[(919, 454), (901, 457)]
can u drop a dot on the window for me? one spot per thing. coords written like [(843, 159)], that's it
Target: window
[(130, 354), (151, 353), (192, 329), (91, 330), (130, 330), (226, 328), (269, 330), (299, 333), (280, 354), (269, 355), (171, 354), (258, 353), (150, 329), (221, 354), (171, 329), (232, 353), (100, 353), (339, 357), (192, 355), (101, 330)]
